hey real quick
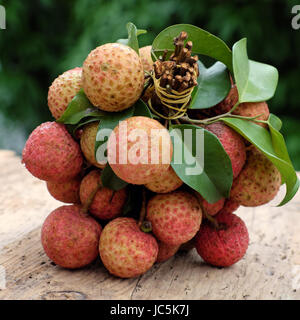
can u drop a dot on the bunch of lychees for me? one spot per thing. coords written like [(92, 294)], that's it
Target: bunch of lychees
[(172, 215)]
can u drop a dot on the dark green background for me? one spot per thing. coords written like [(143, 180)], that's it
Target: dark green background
[(45, 38)]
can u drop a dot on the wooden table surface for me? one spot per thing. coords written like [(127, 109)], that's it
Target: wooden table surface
[(270, 269)]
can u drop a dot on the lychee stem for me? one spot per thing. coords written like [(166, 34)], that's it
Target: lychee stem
[(90, 199), (143, 209)]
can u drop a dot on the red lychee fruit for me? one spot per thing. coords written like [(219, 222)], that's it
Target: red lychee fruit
[(139, 149), (212, 208), (259, 181), (166, 181), (230, 205), (87, 143), (166, 251), (145, 54), (224, 247), (175, 217), (125, 250), (70, 238), (253, 109), (113, 77), (62, 91), (67, 192), (107, 204), (51, 154), (228, 103), (232, 143)]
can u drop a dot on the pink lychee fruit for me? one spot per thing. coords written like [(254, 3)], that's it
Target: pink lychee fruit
[(259, 181), (232, 143), (67, 192), (125, 250), (62, 91), (107, 204), (51, 154), (175, 216), (166, 181), (225, 246), (166, 251), (253, 109), (113, 77), (139, 149), (87, 143), (70, 238), (145, 54)]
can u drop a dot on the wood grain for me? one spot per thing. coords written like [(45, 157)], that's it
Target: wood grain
[(270, 269)]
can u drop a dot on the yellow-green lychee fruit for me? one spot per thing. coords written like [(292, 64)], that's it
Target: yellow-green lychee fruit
[(145, 54), (113, 77), (62, 91), (87, 143)]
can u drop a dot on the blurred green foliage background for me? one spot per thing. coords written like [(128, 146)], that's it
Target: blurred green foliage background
[(45, 38)]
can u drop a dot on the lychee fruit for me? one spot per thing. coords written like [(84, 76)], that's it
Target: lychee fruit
[(188, 246), (139, 149), (67, 192), (166, 181), (213, 208), (259, 181), (113, 77), (62, 91), (232, 143), (225, 246), (253, 109), (107, 204), (125, 250), (230, 205), (145, 55), (175, 217), (51, 154), (87, 143), (166, 251), (228, 103), (70, 238)]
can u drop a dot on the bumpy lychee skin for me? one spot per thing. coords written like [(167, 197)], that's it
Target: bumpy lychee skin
[(67, 192), (125, 250), (87, 143), (139, 149), (175, 217), (107, 204), (228, 103), (213, 208), (70, 238), (51, 154), (223, 248), (230, 205), (113, 77), (145, 54), (232, 143), (259, 181), (166, 181), (166, 251), (62, 91), (253, 109)]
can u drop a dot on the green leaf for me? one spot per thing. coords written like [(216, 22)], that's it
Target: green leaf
[(214, 179), (78, 109), (255, 81), (132, 40), (213, 86), (203, 43), (141, 109), (110, 180), (273, 147), (275, 122)]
